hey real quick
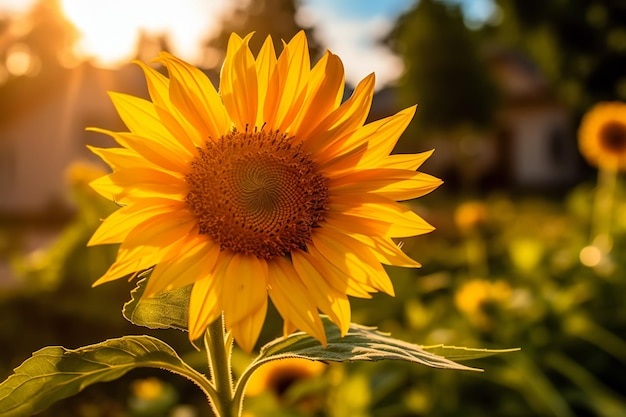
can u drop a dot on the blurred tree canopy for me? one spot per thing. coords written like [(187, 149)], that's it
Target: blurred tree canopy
[(46, 33), (443, 69), (580, 45), (264, 17), (45, 37)]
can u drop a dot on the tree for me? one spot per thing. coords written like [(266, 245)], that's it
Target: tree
[(444, 71), (580, 45), (51, 35), (264, 17)]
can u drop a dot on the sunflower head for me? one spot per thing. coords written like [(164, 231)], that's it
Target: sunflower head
[(272, 188), (602, 135)]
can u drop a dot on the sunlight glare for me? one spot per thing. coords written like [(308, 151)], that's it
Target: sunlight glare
[(20, 61), (110, 30)]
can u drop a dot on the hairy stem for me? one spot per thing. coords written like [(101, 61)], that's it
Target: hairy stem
[(219, 351)]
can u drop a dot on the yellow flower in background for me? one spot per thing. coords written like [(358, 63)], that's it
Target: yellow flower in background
[(270, 187), (277, 376), (148, 389), (475, 298), (83, 172), (470, 214), (602, 135)]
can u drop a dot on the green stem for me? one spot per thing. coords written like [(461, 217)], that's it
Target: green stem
[(219, 351), (603, 204), (192, 375), (243, 381)]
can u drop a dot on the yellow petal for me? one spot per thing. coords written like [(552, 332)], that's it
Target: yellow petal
[(159, 153), (324, 94), (382, 142), (193, 94), (353, 224), (289, 328), (119, 223), (238, 84), (292, 72), (380, 137), (350, 255), (246, 332), (148, 244), (141, 182), (410, 161), (387, 252), (141, 118), (108, 189), (340, 123), (327, 299), (204, 303), (119, 158), (403, 222), (192, 261), (268, 85), (159, 89), (245, 287), (336, 277), (292, 300), (396, 184), (342, 162)]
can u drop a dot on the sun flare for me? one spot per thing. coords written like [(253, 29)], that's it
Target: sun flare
[(110, 30)]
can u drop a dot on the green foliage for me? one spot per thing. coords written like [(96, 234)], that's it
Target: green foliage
[(360, 343), (54, 372), (363, 343), (514, 272), (579, 45), (460, 353), (567, 317), (167, 310), (444, 72), (276, 18)]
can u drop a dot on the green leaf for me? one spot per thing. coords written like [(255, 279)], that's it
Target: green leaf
[(168, 310), (54, 372), (360, 343), (459, 353)]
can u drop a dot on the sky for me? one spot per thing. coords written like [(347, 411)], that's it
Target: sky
[(349, 28), (352, 29)]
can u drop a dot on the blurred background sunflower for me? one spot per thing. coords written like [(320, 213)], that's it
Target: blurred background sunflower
[(602, 135)]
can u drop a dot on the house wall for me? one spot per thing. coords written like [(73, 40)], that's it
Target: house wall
[(48, 134), (542, 147)]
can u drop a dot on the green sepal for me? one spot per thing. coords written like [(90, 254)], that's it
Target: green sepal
[(54, 372), (167, 310)]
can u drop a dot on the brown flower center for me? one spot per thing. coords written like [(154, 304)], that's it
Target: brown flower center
[(256, 193), (613, 137)]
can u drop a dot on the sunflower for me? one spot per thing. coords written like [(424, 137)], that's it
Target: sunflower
[(602, 135), (272, 186), (278, 376), (479, 298)]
